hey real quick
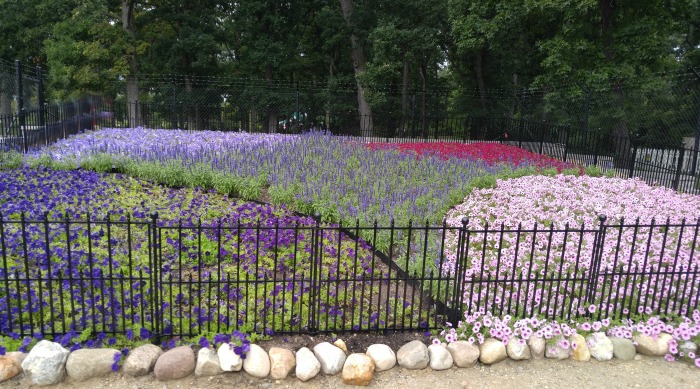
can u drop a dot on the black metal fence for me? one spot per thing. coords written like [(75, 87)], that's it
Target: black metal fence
[(169, 279)]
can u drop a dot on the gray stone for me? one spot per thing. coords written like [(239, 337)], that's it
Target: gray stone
[(600, 346), (358, 369), (518, 350), (141, 360), (413, 355), (553, 350), (282, 362), (46, 363), (175, 364), (653, 346), (440, 358), (257, 362), (84, 364), (492, 351), (331, 357), (623, 348), (688, 347), (383, 356), (537, 346), (228, 360), (207, 363), (464, 354), (308, 365)]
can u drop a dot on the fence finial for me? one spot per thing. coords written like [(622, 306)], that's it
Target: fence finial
[(602, 218), (465, 221)]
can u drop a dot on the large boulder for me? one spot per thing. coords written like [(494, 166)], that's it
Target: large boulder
[(518, 350), (413, 355), (141, 360), (383, 356), (46, 363), (175, 364), (331, 357), (358, 369), (440, 358), (84, 364), (282, 362), (579, 348), (257, 362), (537, 346), (623, 348), (464, 354), (207, 363), (600, 346), (10, 366), (492, 351), (308, 365), (653, 346), (228, 360)]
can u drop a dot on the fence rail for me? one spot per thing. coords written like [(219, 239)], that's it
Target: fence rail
[(170, 279)]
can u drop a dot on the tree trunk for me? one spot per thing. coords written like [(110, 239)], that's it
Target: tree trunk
[(5, 96), (479, 68), (358, 58), (620, 133), (191, 123), (132, 82), (272, 110), (511, 113), (404, 97), (423, 104)]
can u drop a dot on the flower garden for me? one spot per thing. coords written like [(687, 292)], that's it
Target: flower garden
[(238, 244)]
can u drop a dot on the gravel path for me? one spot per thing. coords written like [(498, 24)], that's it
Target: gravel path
[(645, 372)]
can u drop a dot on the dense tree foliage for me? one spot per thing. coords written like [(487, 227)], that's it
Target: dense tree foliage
[(540, 59)]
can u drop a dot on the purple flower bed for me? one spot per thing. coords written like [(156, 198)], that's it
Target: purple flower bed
[(313, 172), (224, 264)]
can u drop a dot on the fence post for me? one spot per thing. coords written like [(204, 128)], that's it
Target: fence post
[(679, 168), (598, 243), (155, 281), (174, 115), (314, 275), (454, 314), (633, 160), (567, 129), (42, 103), (20, 104), (521, 125), (298, 114)]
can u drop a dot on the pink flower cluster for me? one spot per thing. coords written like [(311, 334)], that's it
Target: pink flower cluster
[(559, 216), (477, 327)]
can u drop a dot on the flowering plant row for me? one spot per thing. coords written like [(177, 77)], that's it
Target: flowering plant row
[(478, 326), (491, 153), (549, 228), (253, 259)]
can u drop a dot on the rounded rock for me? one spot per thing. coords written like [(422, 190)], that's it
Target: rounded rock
[(440, 358), (257, 362), (623, 349), (84, 364), (331, 357), (383, 356), (46, 362), (282, 362), (141, 360), (175, 364), (518, 350), (463, 353), (358, 369), (308, 365), (413, 355), (492, 351), (207, 363)]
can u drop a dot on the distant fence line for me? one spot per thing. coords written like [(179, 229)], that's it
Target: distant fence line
[(169, 279), (34, 123)]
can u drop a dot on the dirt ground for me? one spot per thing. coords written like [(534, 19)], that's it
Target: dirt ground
[(645, 372)]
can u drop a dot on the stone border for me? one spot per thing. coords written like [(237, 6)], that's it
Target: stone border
[(48, 362)]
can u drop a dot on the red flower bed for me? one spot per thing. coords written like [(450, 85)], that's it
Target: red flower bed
[(491, 153)]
